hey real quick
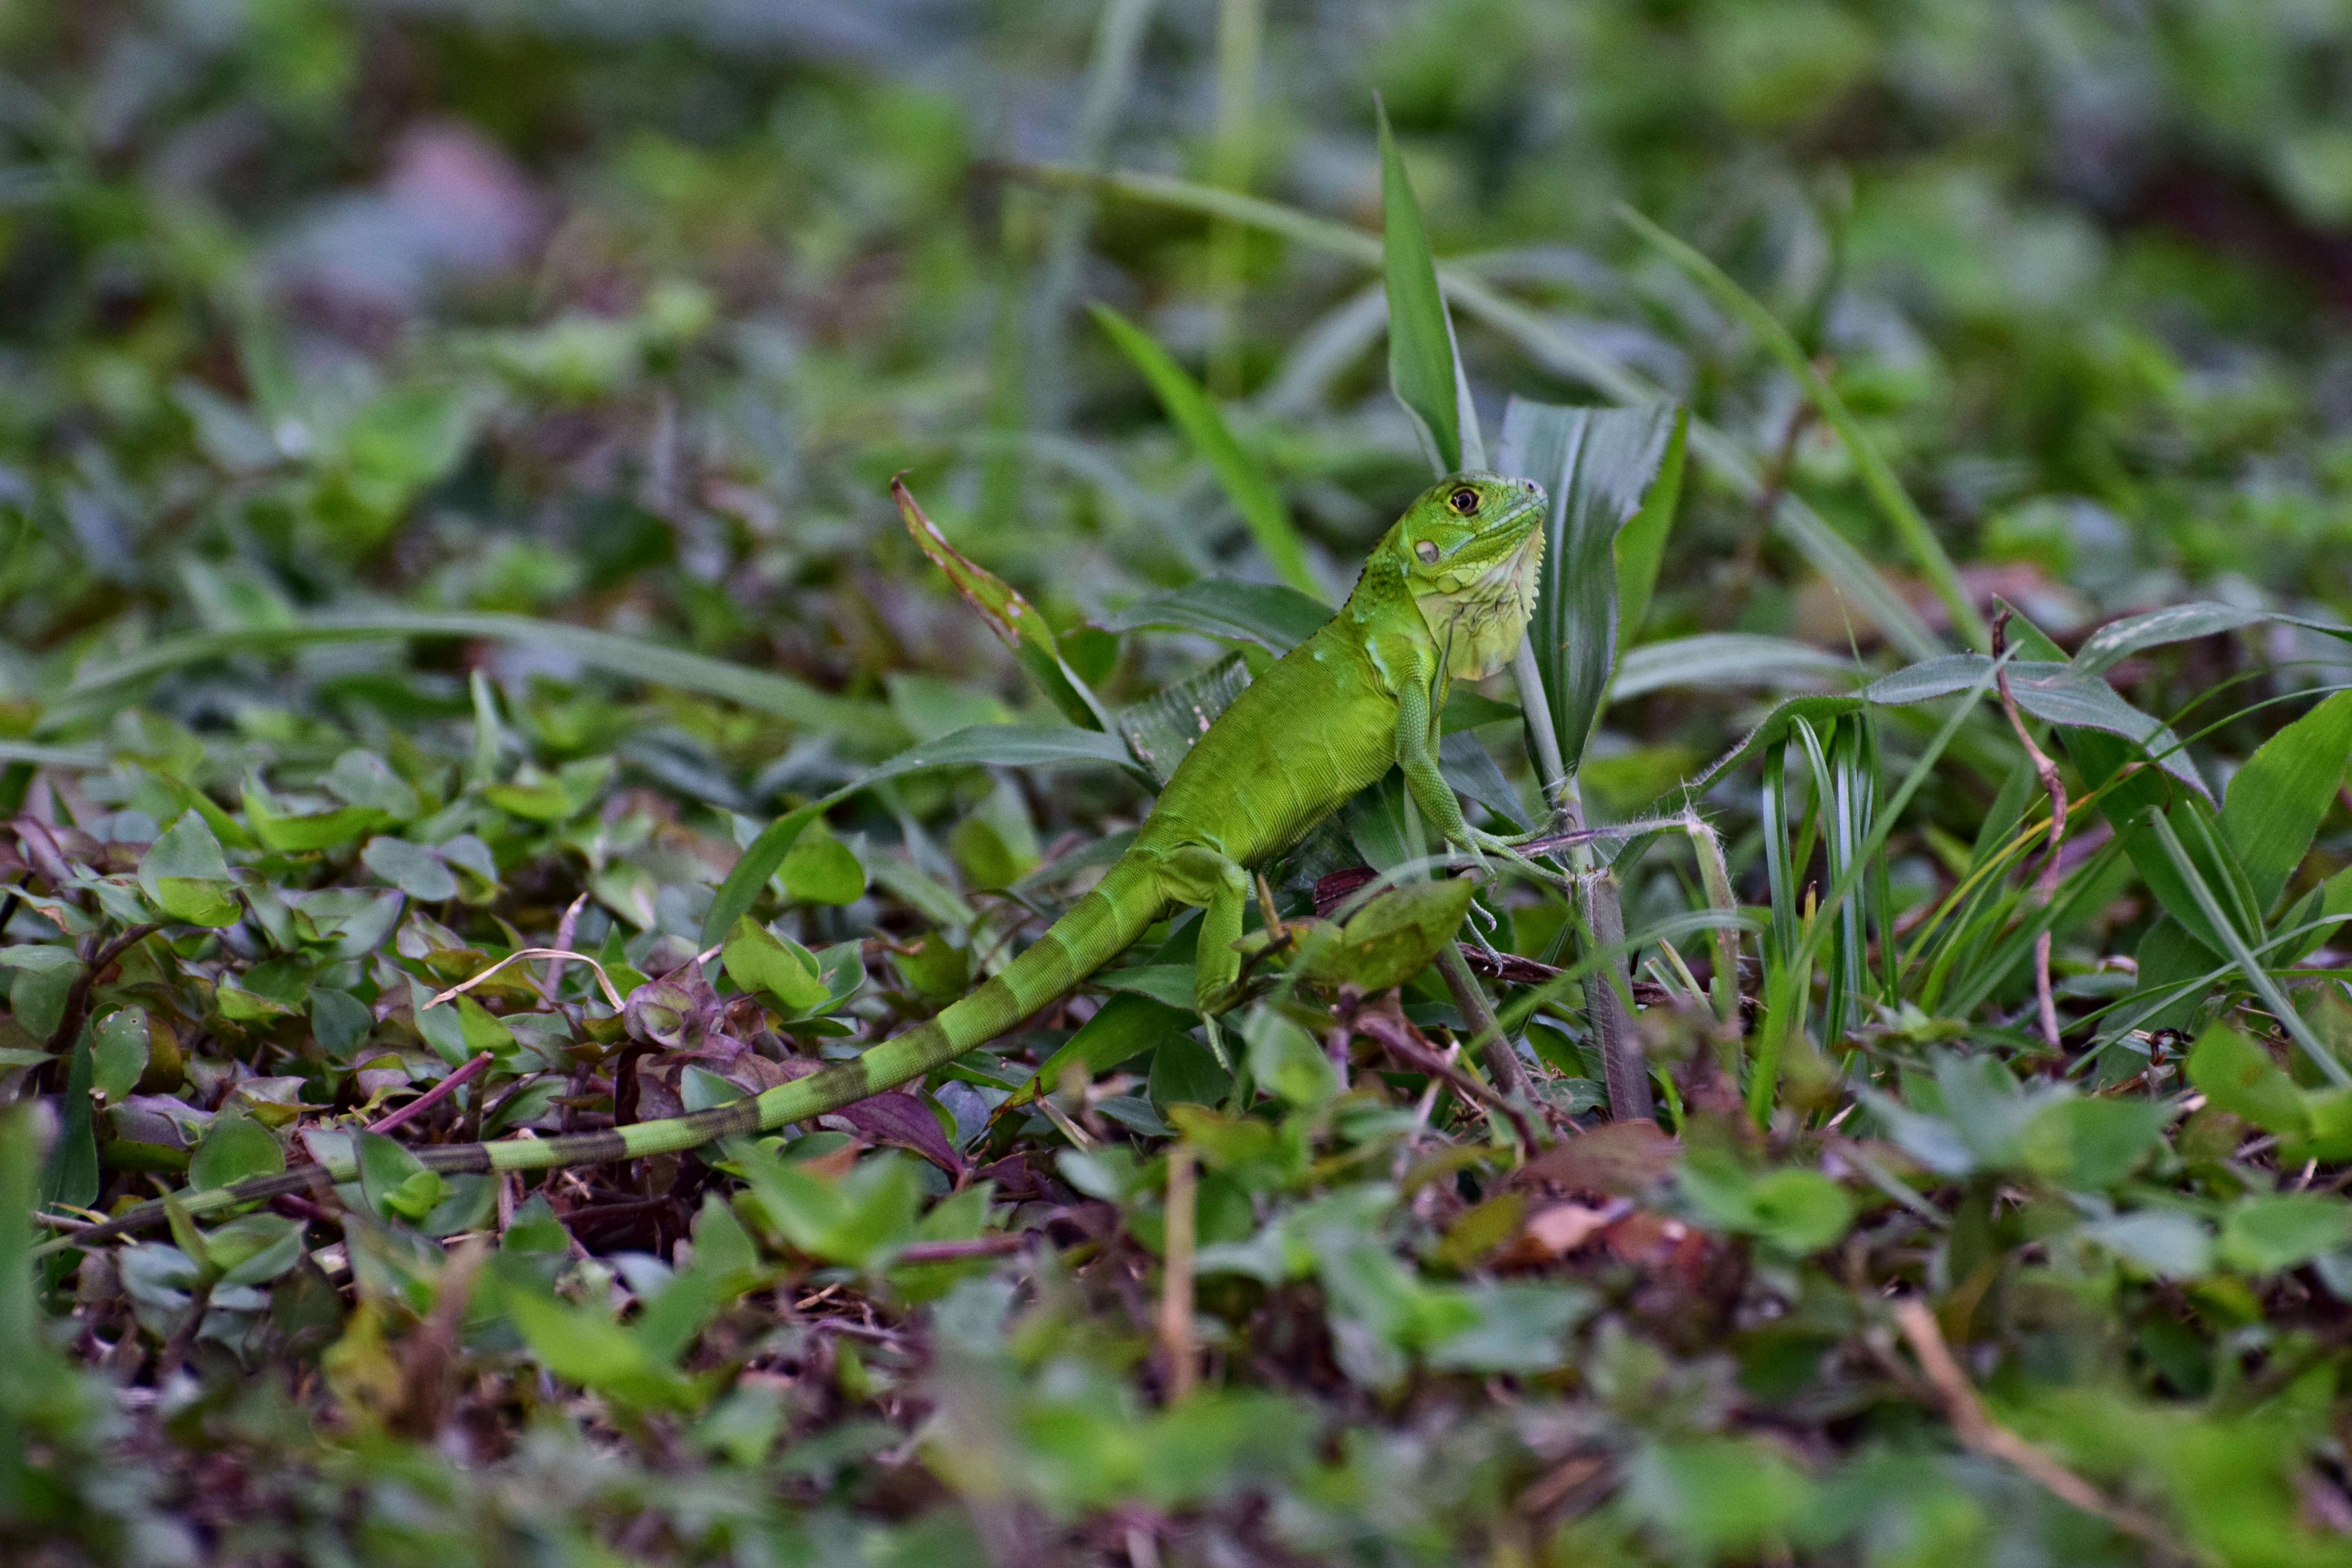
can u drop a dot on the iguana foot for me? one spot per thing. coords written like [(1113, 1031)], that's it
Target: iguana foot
[(1482, 844), (1209, 1001)]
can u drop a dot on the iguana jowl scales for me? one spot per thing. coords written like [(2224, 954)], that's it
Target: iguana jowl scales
[(1446, 593)]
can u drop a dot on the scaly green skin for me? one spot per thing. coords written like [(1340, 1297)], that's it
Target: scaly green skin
[(1446, 593)]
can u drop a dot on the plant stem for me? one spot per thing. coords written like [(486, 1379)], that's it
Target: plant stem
[(1176, 1280), (1622, 1066), (1493, 1046)]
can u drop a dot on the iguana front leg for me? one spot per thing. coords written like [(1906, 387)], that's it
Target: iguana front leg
[(1416, 748)]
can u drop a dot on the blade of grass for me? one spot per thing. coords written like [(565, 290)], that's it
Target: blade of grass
[(51, 756), (760, 690), (1893, 502), (1244, 479), (2120, 1022), (1777, 872), (2077, 899), (1042, 337), (1773, 1035), (1599, 467), (1642, 543), (1424, 362), (1241, 37), (2258, 977), (1715, 875)]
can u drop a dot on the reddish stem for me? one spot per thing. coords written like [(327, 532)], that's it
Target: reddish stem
[(434, 1096)]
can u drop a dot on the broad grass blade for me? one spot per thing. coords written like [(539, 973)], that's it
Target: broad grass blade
[(2274, 804), (1247, 483), (760, 690), (1424, 364), (1597, 465), (1715, 660), (1642, 543)]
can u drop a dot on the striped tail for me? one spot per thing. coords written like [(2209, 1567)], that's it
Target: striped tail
[(1097, 928)]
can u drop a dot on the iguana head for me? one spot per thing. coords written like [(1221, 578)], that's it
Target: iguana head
[(1469, 550)]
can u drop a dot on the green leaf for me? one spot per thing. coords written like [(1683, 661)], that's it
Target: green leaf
[(724, 1267), (821, 870), (2119, 640), (72, 1176), (46, 977), (1797, 1211), (340, 1022), (2059, 693), (1719, 1498), (742, 887), (1245, 481), (1124, 1027), (855, 1219), (1390, 939), (1596, 464), (413, 868), (1185, 1071), (2238, 1076), (395, 1182), (255, 1248), (119, 1048), (2274, 803), (2264, 1234), (185, 875), (287, 833), (1424, 369), (784, 972), (2330, 1136), (236, 1148), (401, 440), (361, 778), (936, 970), (2168, 1243), (239, 1005), (2089, 1145), (581, 1345), (1008, 614), (1288, 1060)]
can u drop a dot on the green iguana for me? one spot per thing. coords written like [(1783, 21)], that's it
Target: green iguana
[(1446, 593)]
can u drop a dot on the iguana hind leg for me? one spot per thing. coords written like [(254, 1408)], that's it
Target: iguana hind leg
[(1221, 887)]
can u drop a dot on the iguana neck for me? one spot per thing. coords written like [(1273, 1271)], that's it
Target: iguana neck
[(1478, 620)]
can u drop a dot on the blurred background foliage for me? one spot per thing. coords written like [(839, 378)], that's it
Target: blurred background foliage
[(622, 315)]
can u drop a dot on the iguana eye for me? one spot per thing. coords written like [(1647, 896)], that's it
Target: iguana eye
[(1427, 551), (1463, 500)]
